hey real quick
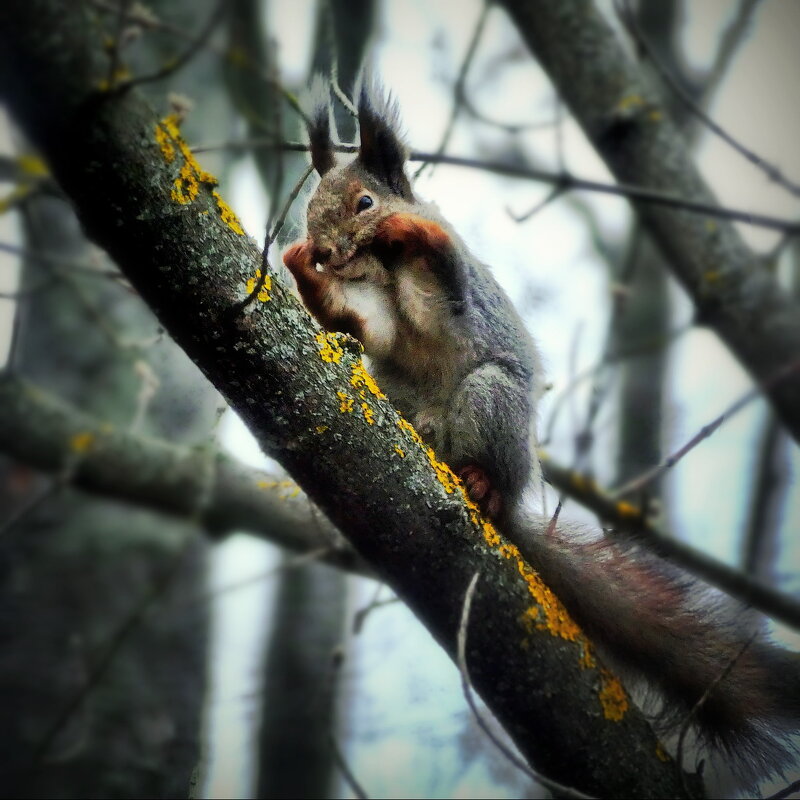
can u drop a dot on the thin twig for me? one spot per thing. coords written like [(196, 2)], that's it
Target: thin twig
[(116, 43), (277, 182), (785, 792), (52, 258), (176, 64), (555, 192), (458, 88), (272, 235), (640, 349), (699, 704), (629, 520), (466, 685), (333, 50), (511, 128), (772, 172), (31, 506), (566, 180), (551, 526), (360, 617), (730, 41), (148, 20), (649, 475), (347, 773), (289, 201), (337, 658), (288, 563), (558, 131)]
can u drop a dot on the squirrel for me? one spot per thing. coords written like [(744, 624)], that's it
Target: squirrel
[(448, 348)]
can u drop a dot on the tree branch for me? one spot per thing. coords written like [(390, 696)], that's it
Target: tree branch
[(40, 431), (631, 519)]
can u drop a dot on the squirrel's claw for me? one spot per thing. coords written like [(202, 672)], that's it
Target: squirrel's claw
[(480, 490)]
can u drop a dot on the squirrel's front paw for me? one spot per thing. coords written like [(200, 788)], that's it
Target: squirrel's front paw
[(414, 233), (298, 258), (480, 490)]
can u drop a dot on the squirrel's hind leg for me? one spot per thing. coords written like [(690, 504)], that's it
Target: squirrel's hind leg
[(487, 429)]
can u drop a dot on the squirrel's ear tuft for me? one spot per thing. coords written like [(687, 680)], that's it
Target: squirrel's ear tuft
[(317, 105), (382, 151)]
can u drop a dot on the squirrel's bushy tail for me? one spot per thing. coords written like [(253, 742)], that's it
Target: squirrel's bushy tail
[(683, 637)]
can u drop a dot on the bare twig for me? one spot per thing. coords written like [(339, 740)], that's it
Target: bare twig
[(632, 520), (292, 562), (771, 171), (699, 704), (147, 20), (466, 685), (347, 773), (639, 482), (566, 181), (270, 238), (172, 66), (334, 56), (360, 617), (730, 41), (639, 349), (785, 792), (768, 486), (116, 43), (511, 128), (555, 192), (458, 88), (35, 502), (280, 222), (53, 258)]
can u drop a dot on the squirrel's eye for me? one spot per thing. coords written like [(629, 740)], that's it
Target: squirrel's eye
[(364, 202)]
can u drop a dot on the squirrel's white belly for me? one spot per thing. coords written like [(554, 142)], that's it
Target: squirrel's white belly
[(373, 306)]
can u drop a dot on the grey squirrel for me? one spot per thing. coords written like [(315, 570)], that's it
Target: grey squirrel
[(448, 348)]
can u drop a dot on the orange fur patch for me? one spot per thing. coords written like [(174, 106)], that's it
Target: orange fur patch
[(416, 234)]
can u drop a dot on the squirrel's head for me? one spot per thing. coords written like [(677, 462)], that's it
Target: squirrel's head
[(355, 195)]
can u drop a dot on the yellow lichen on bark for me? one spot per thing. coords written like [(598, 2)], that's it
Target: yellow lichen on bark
[(191, 175), (362, 380), (612, 695), (266, 286), (345, 402), (329, 348), (287, 489), (81, 442), (32, 166), (548, 614), (627, 510), (369, 414), (227, 215)]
